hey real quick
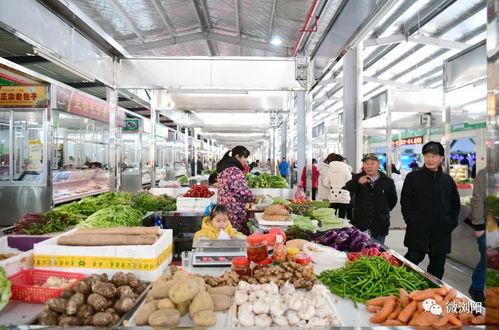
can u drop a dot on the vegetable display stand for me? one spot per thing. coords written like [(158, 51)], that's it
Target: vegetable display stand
[(146, 262), (27, 285)]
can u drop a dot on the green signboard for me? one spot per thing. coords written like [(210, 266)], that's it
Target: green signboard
[(132, 125), (467, 126)]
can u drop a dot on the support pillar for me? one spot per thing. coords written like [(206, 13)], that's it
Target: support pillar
[(284, 137), (352, 105), (301, 133), (154, 120), (114, 173)]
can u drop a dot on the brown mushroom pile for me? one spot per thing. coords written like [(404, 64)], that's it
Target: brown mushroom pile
[(95, 301)]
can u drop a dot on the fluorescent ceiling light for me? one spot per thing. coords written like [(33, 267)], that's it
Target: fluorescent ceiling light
[(276, 41), (54, 59), (206, 91)]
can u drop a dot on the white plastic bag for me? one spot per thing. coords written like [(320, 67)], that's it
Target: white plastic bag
[(325, 257)]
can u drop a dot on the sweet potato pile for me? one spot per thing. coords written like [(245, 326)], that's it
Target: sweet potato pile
[(422, 308)]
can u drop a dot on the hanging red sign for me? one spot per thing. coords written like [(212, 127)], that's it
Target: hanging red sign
[(84, 105)]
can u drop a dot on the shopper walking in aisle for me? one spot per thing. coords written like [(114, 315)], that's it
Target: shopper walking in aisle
[(323, 190), (478, 205), (284, 168), (338, 174), (430, 207), (233, 191), (315, 179), (375, 197)]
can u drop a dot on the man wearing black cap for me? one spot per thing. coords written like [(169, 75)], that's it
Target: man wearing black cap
[(430, 206), (375, 197)]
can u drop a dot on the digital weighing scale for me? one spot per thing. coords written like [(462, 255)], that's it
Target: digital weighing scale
[(217, 253)]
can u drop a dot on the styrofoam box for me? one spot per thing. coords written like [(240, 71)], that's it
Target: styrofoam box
[(146, 262), (194, 203), (17, 263)]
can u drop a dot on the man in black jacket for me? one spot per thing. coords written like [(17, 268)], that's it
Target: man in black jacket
[(375, 196), (430, 206)]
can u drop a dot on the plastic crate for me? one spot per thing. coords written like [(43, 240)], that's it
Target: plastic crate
[(23, 285)]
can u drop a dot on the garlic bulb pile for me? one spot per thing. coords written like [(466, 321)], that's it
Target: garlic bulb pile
[(264, 305)]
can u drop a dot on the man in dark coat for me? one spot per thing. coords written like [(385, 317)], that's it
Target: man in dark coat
[(375, 196), (430, 206)]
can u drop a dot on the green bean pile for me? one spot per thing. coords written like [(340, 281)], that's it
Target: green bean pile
[(371, 277)]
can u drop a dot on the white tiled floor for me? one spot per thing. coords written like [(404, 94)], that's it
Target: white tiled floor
[(456, 274)]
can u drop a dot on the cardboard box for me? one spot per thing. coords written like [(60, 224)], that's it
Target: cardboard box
[(194, 204), (146, 262)]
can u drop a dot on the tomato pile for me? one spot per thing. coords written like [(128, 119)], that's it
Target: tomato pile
[(199, 191), (374, 252)]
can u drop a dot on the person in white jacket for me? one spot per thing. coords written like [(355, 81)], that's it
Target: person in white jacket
[(338, 174), (323, 190)]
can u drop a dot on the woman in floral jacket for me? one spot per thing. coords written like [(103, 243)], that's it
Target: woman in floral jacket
[(233, 191)]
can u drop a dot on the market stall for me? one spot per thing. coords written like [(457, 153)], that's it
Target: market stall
[(281, 261)]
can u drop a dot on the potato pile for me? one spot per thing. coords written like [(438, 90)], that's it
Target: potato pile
[(173, 297), (94, 301)]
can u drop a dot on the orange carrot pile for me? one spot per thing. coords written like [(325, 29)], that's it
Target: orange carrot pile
[(492, 300), (409, 309)]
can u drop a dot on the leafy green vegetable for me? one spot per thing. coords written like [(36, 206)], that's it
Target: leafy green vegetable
[(89, 205), (266, 181), (208, 172), (5, 289), (295, 232), (183, 179), (280, 200), (144, 202), (320, 204), (113, 216), (53, 221), (304, 223), (371, 277), (492, 279)]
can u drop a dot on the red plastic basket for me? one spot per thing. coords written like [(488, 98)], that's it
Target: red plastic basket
[(23, 285)]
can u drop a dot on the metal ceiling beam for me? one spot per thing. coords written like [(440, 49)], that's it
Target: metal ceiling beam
[(477, 8), (167, 22), (440, 52), (428, 74), (84, 24), (129, 20), (329, 81), (272, 17), (391, 83), (203, 24), (248, 43), (86, 84), (433, 9), (168, 42), (424, 40), (406, 4), (164, 17), (210, 36), (325, 98), (26, 59), (238, 25)]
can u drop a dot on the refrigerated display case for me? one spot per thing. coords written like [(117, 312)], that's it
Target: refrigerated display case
[(81, 163), (136, 154), (25, 184)]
